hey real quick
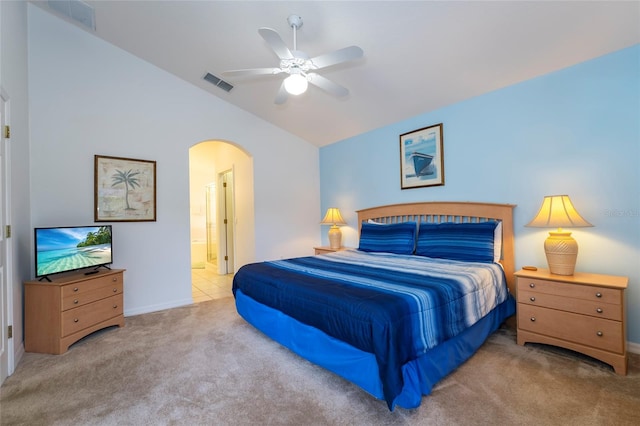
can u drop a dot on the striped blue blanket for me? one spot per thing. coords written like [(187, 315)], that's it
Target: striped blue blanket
[(394, 306)]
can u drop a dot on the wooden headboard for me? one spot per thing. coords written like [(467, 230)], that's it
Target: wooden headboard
[(447, 211)]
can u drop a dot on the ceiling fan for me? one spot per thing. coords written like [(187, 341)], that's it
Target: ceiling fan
[(297, 64)]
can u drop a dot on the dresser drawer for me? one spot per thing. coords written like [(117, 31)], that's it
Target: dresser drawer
[(578, 291), (596, 309), (595, 332), (89, 285), (85, 316), (91, 293)]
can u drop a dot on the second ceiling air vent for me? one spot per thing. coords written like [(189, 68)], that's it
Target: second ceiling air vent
[(77, 10), (218, 82)]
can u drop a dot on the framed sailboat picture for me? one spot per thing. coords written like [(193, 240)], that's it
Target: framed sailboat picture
[(422, 158)]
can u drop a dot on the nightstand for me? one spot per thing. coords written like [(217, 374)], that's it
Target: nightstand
[(582, 312), (327, 249)]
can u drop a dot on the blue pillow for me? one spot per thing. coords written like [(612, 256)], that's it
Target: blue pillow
[(398, 238), (469, 242)]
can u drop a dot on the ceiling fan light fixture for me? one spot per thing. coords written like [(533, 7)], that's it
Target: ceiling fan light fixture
[(296, 84)]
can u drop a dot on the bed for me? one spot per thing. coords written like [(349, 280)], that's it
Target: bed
[(427, 285)]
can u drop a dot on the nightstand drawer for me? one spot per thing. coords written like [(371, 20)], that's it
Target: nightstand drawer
[(596, 309), (595, 332), (586, 292)]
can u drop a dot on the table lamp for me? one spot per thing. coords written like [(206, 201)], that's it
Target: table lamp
[(561, 249), (334, 218)]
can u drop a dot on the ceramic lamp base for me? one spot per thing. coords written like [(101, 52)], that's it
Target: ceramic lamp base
[(562, 252), (335, 237)]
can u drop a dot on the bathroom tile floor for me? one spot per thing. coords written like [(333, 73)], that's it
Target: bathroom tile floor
[(207, 284)]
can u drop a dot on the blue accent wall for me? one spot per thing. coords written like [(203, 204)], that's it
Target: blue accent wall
[(575, 131)]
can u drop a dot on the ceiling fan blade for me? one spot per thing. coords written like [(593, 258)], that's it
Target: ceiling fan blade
[(327, 85), (275, 42), (282, 95), (252, 71), (337, 57)]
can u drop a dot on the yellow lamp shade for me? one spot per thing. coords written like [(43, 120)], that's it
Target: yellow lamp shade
[(334, 218), (557, 211), (560, 248)]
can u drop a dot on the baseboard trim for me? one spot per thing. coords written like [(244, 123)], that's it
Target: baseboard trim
[(633, 348), (160, 307)]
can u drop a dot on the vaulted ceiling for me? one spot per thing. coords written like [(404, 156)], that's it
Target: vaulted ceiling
[(418, 55)]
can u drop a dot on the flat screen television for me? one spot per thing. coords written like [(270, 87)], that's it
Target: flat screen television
[(71, 248)]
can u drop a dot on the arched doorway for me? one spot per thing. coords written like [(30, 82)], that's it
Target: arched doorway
[(221, 216)]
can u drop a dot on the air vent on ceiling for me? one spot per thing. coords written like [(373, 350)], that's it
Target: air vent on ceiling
[(218, 82), (78, 11)]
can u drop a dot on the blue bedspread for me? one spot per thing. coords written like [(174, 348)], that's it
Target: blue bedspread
[(396, 307)]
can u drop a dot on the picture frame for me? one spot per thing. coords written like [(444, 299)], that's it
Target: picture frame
[(422, 157), (124, 189)]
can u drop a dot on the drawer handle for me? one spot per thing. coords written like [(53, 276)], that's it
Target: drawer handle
[(114, 279), (75, 289), (600, 333), (115, 306), (115, 290), (599, 310), (533, 319), (533, 299), (532, 285), (76, 320), (75, 302), (598, 294)]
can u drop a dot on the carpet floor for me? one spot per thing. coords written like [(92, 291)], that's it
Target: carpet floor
[(204, 365)]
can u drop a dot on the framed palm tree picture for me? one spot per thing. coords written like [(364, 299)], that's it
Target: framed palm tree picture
[(125, 190)]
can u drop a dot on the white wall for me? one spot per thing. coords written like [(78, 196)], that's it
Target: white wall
[(13, 80), (575, 132), (87, 97)]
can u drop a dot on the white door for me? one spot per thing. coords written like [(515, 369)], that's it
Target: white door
[(226, 223), (4, 292), (230, 216)]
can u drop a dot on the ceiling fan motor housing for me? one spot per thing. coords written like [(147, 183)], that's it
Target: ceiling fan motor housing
[(294, 21)]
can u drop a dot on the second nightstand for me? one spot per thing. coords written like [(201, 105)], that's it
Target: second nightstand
[(581, 312), (327, 249)]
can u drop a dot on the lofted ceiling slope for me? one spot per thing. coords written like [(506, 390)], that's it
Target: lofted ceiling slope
[(418, 55)]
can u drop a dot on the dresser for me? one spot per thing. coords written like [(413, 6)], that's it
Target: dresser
[(582, 312), (61, 312)]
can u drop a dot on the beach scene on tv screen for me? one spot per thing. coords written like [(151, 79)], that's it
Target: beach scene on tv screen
[(64, 249)]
